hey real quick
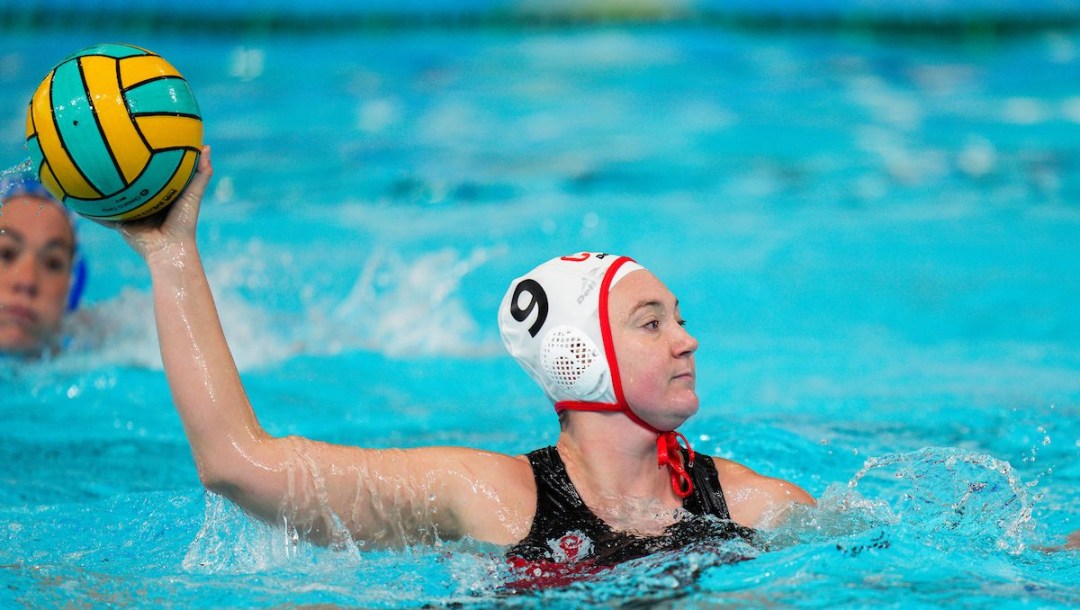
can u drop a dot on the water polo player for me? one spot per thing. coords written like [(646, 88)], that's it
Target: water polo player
[(41, 272), (600, 334)]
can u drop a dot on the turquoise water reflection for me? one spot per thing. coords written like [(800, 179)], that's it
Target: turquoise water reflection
[(872, 237)]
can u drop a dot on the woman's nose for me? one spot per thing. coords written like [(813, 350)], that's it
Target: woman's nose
[(684, 343), (24, 275)]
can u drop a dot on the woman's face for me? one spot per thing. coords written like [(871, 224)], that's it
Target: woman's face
[(655, 354), (36, 250)]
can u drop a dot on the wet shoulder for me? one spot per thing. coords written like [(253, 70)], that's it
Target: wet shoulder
[(755, 500), (734, 475), (492, 495)]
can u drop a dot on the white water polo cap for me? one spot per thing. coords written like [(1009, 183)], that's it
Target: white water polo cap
[(554, 321), (550, 323)]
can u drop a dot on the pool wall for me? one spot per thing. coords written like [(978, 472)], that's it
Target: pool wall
[(288, 14)]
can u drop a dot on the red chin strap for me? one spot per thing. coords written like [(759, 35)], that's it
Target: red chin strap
[(668, 454), (667, 443)]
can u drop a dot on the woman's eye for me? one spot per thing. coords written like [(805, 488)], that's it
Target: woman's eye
[(653, 325), (8, 255), (58, 264)]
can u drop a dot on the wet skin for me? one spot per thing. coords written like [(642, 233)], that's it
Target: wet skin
[(36, 251)]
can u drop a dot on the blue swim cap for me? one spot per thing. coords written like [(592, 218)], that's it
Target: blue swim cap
[(19, 183)]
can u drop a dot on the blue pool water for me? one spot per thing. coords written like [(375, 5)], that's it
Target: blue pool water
[(873, 236)]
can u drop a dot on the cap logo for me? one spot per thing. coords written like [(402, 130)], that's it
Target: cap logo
[(587, 287)]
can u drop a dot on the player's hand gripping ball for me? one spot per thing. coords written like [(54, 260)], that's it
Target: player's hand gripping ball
[(114, 132)]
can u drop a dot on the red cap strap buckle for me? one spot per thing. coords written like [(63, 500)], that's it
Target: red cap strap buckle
[(668, 454)]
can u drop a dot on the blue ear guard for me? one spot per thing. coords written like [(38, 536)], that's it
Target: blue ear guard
[(17, 184), (78, 281)]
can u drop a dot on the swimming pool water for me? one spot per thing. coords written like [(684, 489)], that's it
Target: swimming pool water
[(873, 236)]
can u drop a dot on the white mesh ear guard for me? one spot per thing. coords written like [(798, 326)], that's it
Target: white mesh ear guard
[(573, 361), (549, 321)]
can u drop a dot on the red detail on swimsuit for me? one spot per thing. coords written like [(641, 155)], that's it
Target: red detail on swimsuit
[(544, 574), (570, 545)]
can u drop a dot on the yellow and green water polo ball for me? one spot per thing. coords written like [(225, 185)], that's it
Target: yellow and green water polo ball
[(114, 132)]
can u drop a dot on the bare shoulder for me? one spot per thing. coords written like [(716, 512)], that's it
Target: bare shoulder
[(492, 496), (477, 467), (756, 500)]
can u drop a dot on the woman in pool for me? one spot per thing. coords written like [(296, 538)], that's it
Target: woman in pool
[(601, 335), (40, 272)]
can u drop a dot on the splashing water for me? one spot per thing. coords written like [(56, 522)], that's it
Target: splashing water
[(399, 307), (957, 502), (946, 498), (950, 494)]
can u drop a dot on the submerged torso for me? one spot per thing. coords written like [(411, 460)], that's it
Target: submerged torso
[(566, 531)]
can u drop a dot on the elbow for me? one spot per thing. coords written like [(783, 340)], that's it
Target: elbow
[(246, 487), (232, 471), (215, 478), (215, 482)]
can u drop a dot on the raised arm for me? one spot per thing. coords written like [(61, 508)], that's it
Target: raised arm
[(325, 491), (203, 378)]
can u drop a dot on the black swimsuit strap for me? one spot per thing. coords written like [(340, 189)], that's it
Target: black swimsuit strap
[(556, 497), (708, 497)]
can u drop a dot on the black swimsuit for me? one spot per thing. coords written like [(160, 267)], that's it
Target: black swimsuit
[(564, 530)]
